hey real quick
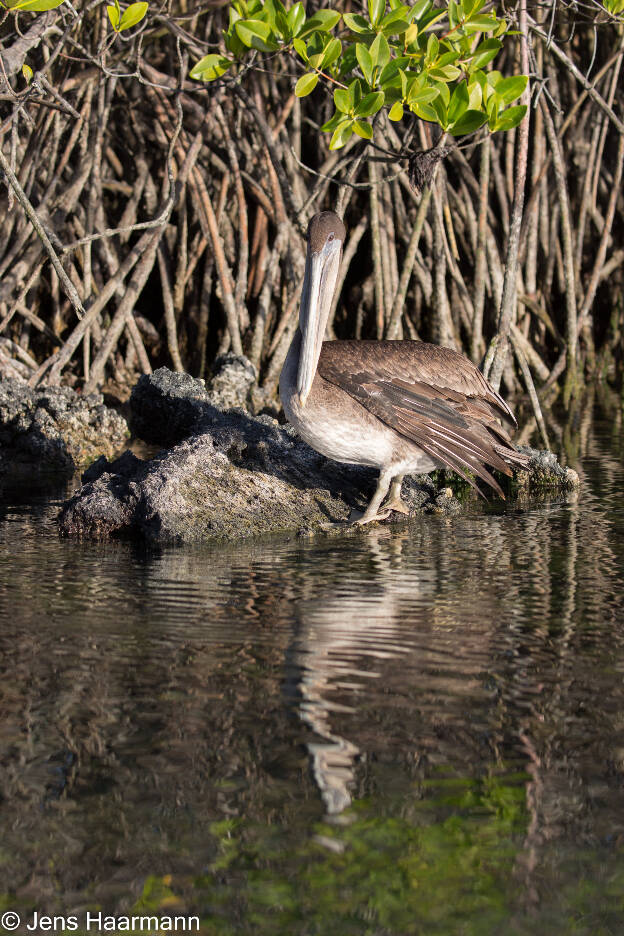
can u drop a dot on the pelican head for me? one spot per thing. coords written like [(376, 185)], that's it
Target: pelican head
[(326, 234)]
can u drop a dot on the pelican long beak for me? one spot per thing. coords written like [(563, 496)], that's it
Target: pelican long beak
[(319, 284)]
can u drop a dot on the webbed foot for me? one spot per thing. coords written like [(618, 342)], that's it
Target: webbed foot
[(359, 517), (396, 504)]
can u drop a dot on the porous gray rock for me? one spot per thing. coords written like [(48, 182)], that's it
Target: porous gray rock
[(544, 472), (54, 430), (233, 377), (241, 476), (166, 407), (227, 475)]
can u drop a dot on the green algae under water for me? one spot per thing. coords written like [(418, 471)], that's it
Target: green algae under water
[(416, 729)]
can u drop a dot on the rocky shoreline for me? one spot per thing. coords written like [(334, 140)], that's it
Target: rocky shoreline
[(220, 473), (51, 432), (223, 474)]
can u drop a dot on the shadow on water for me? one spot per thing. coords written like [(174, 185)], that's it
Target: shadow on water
[(418, 729)]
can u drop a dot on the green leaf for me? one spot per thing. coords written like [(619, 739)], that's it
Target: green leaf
[(322, 20), (511, 117), (281, 25), (425, 96), (481, 24), (440, 107), (356, 23), (412, 86), (210, 67), (485, 52), (296, 18), (301, 49), (430, 19), (355, 92), (363, 129), (448, 73), (396, 22), (334, 121), (389, 77), (502, 29), (376, 9), (113, 15), (391, 72), (306, 84), (508, 89), (433, 47), (470, 121), (233, 44), (365, 62), (275, 15), (472, 6), (444, 92), (448, 58), (480, 78), (331, 53), (396, 111), (370, 104), (458, 104), (342, 100), (420, 8), (392, 96), (270, 13), (35, 6), (256, 35), (341, 134), (475, 96), (133, 15), (380, 51), (492, 108), (411, 38), (425, 112), (27, 72)]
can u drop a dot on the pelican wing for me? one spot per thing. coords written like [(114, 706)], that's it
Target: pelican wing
[(432, 396)]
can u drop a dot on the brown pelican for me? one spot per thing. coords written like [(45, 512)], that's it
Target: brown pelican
[(404, 407)]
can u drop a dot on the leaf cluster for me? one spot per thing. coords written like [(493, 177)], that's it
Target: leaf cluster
[(130, 16), (119, 19), (430, 61)]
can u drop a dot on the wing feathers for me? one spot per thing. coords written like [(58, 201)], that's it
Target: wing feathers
[(432, 396)]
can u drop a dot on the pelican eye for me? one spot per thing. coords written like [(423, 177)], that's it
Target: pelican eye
[(330, 236)]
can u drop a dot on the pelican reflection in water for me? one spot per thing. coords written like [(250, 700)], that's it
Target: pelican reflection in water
[(345, 640), (403, 407)]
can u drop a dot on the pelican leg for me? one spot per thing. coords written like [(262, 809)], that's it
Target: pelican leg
[(395, 502), (371, 513)]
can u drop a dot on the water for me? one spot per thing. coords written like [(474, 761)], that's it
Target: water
[(409, 729)]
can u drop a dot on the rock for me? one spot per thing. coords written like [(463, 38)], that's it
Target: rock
[(233, 377), (103, 508), (166, 407), (241, 477), (545, 472), (126, 466), (227, 475), (54, 430)]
